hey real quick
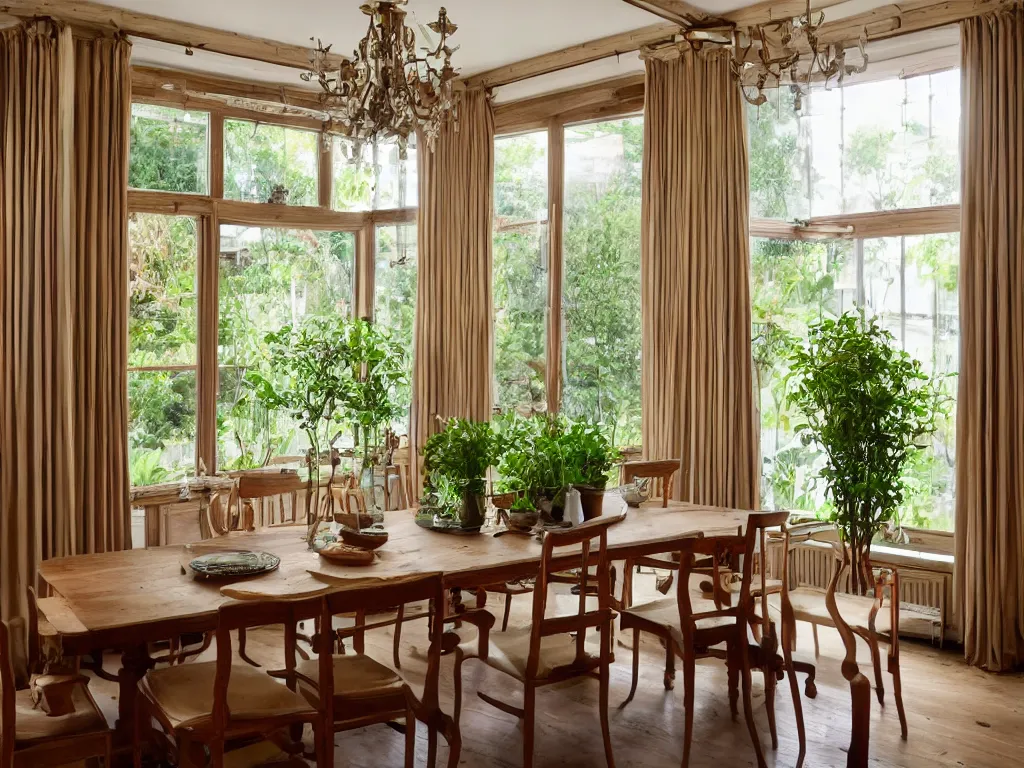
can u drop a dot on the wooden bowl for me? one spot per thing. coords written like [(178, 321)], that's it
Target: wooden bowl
[(367, 538), (346, 554), (353, 520), (523, 521)]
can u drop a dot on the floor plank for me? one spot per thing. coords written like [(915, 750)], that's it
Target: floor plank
[(957, 715)]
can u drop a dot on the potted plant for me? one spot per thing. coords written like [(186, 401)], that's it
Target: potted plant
[(588, 457), (304, 373), (370, 405), (458, 458), (531, 461), (869, 406)]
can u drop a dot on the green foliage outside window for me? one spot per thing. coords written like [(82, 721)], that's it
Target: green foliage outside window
[(259, 157), (169, 149)]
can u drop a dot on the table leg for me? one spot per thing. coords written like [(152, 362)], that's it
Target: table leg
[(135, 663)]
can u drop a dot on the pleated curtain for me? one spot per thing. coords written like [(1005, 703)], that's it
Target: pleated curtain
[(696, 375), (64, 123), (453, 330), (989, 567)]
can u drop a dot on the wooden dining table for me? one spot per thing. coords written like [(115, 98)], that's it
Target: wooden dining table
[(122, 601)]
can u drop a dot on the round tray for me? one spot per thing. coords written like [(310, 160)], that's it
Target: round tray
[(232, 564), (442, 527)]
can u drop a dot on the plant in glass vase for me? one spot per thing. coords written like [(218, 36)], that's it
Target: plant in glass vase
[(869, 406), (456, 461), (371, 404), (305, 372)]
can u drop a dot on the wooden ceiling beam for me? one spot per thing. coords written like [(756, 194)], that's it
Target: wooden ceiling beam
[(180, 82), (623, 93), (584, 53), (776, 10), (675, 11), (194, 36)]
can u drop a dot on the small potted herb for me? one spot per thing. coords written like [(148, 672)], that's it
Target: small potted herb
[(457, 459), (588, 457)]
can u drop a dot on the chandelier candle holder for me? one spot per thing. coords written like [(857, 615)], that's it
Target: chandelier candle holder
[(790, 52), (389, 89)]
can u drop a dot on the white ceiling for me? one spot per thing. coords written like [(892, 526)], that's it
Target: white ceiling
[(491, 32)]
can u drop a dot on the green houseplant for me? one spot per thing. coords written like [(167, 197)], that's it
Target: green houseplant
[(869, 406), (305, 373), (456, 461), (531, 461), (588, 456)]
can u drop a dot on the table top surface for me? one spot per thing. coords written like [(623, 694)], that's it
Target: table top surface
[(133, 589)]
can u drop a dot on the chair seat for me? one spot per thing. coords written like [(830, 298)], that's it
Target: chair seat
[(809, 605), (184, 694), (32, 726), (509, 652), (355, 676), (665, 614), (734, 587)]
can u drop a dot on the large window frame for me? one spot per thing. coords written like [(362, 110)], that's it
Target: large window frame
[(213, 209), (553, 113)]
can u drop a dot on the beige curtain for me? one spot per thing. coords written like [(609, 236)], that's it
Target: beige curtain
[(696, 363), (990, 421), (63, 306), (452, 347)]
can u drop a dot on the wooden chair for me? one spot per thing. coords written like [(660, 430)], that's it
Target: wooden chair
[(543, 653), (354, 691), (29, 736), (665, 471), (266, 490), (863, 614), (691, 626), (214, 703)]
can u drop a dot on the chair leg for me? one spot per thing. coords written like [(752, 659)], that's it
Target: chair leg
[(410, 736), (732, 668), (529, 712), (107, 753), (636, 667), (508, 610), (798, 708), (217, 753), (603, 702), (817, 649), (457, 712), (897, 691), (399, 620), (670, 664), (689, 681), (876, 663), (241, 648), (748, 707), (140, 722), (770, 683), (431, 747)]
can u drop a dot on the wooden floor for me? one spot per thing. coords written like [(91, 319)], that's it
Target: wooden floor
[(957, 715)]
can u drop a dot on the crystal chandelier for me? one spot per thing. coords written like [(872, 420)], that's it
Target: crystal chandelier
[(789, 52), (388, 90)]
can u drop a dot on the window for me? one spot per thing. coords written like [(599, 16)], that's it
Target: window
[(270, 278), (161, 347), (601, 282), (876, 146), (260, 158), (520, 281), (169, 149), (394, 301), (373, 176), (890, 147)]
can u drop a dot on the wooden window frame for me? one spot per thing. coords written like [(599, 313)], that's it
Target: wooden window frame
[(213, 210)]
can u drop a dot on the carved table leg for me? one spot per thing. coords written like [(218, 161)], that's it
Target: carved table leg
[(135, 663)]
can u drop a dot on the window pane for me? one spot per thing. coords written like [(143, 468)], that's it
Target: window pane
[(601, 286), (161, 425), (394, 302), (520, 270), (162, 290), (169, 149), (377, 177), (270, 278), (259, 157), (874, 146)]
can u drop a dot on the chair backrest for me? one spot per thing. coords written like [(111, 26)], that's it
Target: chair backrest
[(580, 536), (795, 534), (379, 595), (664, 471), (253, 613), (746, 547), (266, 485)]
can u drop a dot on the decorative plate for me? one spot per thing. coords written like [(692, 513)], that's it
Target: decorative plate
[(218, 565), (444, 525)]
